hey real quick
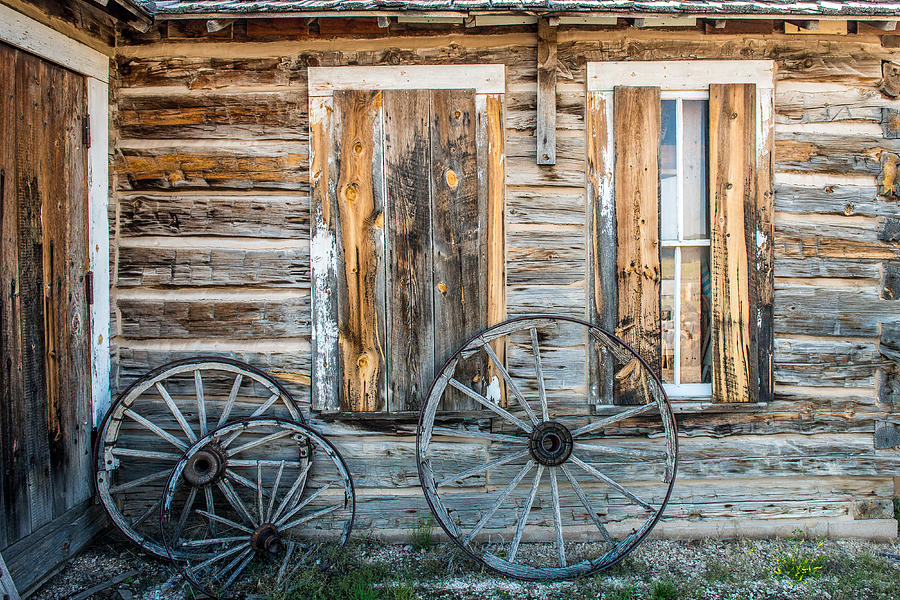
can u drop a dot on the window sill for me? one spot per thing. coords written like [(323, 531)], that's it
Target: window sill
[(693, 407)]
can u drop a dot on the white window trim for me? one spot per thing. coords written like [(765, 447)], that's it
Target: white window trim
[(484, 79), (36, 38), (688, 80)]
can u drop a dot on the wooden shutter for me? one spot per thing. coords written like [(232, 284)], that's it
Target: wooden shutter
[(416, 263), (741, 226), (636, 130)]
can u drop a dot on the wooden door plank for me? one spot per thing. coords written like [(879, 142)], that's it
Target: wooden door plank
[(409, 264), (636, 134), (732, 152), (15, 520), (32, 173), (602, 292), (459, 271), (360, 208)]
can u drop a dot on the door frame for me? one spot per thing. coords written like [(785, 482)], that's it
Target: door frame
[(27, 34)]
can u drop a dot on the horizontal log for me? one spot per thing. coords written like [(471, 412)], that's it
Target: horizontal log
[(827, 362), (252, 115), (821, 153), (550, 257), (811, 266), (291, 368), (854, 238), (566, 172), (839, 200), (544, 207), (830, 311), (242, 215), (155, 318), (211, 73), (185, 267), (174, 165), (816, 102), (532, 299), (521, 110)]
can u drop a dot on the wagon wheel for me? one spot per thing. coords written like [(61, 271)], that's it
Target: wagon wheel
[(297, 511), (153, 422), (551, 467)]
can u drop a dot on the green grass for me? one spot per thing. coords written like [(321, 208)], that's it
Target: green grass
[(664, 590), (421, 537)]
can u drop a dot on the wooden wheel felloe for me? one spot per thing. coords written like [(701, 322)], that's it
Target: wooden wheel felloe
[(153, 422), (297, 510), (551, 467)]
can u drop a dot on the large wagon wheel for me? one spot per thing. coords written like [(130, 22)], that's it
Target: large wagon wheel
[(551, 467), (298, 510), (153, 422)]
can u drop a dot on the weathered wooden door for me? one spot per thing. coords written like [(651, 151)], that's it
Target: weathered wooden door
[(45, 394), (407, 244)]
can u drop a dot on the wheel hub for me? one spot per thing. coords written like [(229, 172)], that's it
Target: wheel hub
[(266, 538), (205, 467), (550, 443)]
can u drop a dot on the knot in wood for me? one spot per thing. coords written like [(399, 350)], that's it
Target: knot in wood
[(452, 178)]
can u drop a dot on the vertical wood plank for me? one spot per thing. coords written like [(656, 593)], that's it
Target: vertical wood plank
[(732, 151), (602, 293), (764, 275), (15, 520), (546, 96), (636, 134), (325, 256), (408, 240), (459, 271), (360, 205), (32, 178)]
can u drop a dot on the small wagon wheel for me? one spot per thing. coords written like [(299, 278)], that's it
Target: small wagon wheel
[(551, 467), (153, 422), (298, 511)]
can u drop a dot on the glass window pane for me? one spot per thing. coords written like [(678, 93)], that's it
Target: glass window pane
[(668, 182), (694, 165), (696, 350), (667, 314)]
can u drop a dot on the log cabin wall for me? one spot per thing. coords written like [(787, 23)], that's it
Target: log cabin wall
[(210, 226)]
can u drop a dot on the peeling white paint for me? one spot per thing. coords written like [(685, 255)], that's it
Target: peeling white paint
[(493, 392)]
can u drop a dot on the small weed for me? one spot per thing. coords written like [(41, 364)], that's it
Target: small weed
[(421, 537), (664, 590), (402, 590), (625, 593), (800, 563)]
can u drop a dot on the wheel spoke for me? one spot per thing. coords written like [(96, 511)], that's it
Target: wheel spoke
[(579, 491), (185, 512), (247, 557), (241, 479), (539, 373), (274, 492), (301, 505), (155, 429), (145, 454), (259, 494), (490, 405), (611, 483), (315, 515), (625, 414), (145, 515), (515, 389), (230, 552), (236, 502), (622, 356), (223, 521), (629, 452), (520, 526), (265, 405), (210, 507), (229, 404), (259, 442), (490, 513), (466, 433), (286, 561), (173, 408), (482, 468), (201, 402), (140, 481), (213, 541), (301, 478), (557, 518)]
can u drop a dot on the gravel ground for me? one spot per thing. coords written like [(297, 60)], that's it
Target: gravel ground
[(656, 570)]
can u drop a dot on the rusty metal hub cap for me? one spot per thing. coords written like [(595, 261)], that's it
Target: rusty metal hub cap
[(266, 538), (205, 467), (550, 443)]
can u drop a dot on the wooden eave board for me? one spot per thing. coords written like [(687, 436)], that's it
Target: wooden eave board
[(679, 74), (484, 79)]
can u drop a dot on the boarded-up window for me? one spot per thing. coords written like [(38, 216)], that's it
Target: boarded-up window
[(633, 249), (407, 242)]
